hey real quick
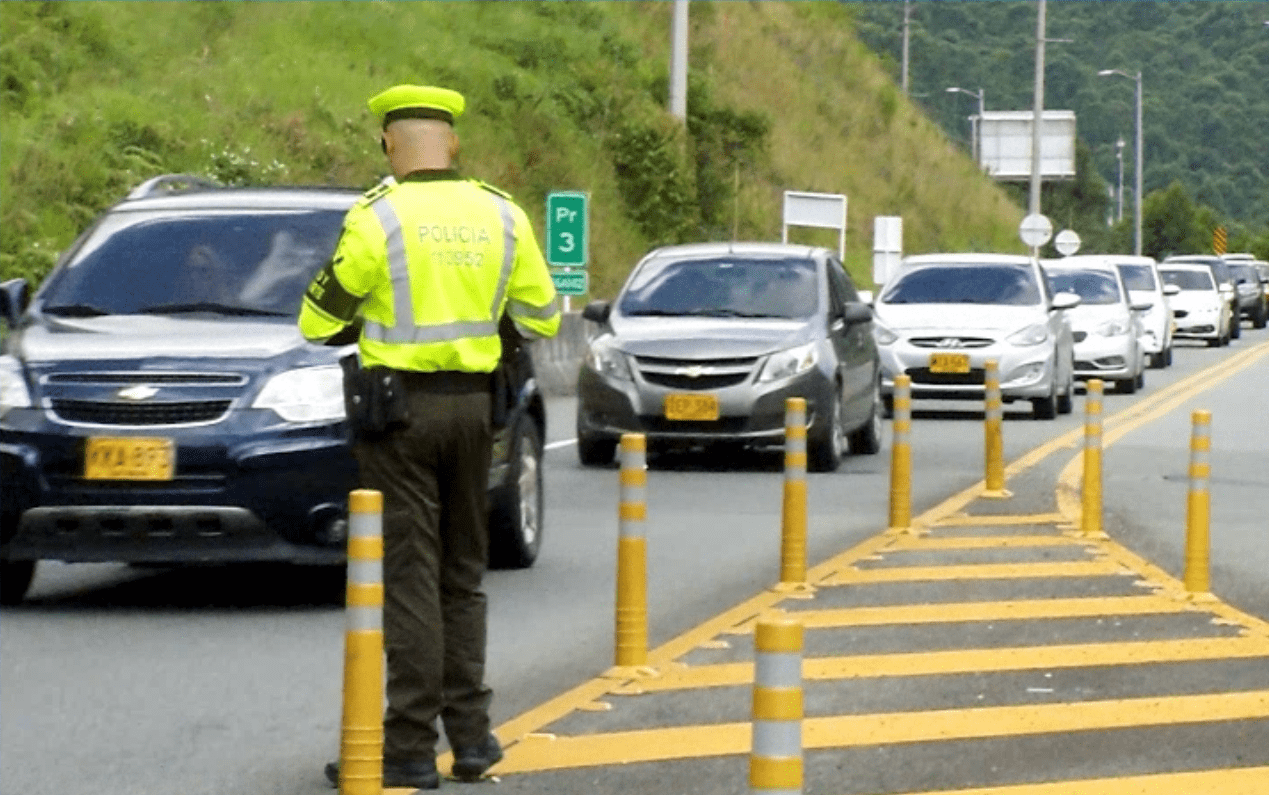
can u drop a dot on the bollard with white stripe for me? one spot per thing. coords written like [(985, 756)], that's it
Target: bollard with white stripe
[(994, 412), (793, 514), (1198, 507), (1091, 494), (632, 555), (361, 739), (775, 758), (901, 455)]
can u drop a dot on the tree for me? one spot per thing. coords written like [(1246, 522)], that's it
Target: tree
[(1170, 224)]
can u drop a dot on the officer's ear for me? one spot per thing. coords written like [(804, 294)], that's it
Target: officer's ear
[(454, 146)]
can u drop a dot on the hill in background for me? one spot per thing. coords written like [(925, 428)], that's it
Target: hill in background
[(98, 96), (1205, 83)]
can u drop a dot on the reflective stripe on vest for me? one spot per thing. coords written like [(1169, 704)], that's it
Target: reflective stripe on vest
[(405, 332)]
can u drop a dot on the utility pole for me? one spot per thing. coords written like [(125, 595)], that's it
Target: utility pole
[(678, 61), (1034, 203), (907, 21)]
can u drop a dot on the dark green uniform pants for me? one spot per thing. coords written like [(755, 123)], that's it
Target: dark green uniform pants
[(433, 475)]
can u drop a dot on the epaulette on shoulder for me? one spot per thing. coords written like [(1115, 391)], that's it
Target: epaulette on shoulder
[(372, 195), (491, 188)]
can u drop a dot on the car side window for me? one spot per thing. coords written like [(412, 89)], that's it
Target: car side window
[(840, 289)]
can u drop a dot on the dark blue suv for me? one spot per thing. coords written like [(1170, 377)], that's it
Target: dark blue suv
[(159, 406)]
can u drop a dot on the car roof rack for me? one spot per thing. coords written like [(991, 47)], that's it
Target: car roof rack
[(171, 183)]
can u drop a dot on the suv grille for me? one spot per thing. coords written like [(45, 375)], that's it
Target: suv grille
[(116, 413), (688, 374)]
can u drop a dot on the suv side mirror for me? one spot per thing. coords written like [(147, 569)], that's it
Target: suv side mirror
[(597, 311), (15, 297), (1065, 301), (1171, 289), (856, 312)]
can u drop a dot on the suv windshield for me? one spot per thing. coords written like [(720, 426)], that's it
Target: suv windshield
[(965, 284), (1137, 277), (249, 263), (723, 287), (1092, 287), (1188, 280)]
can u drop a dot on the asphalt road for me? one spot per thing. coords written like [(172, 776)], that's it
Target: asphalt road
[(124, 681)]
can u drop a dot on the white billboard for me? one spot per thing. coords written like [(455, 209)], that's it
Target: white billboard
[(1005, 149)]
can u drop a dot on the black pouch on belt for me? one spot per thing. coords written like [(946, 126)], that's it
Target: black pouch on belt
[(374, 398)]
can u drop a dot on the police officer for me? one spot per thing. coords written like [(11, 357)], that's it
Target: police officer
[(426, 266)]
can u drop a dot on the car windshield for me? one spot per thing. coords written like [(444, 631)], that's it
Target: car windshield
[(1093, 287), (1137, 277), (1244, 272), (1188, 280), (237, 263), (728, 286), (965, 284)]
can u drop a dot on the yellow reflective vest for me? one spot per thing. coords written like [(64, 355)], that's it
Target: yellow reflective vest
[(428, 265)]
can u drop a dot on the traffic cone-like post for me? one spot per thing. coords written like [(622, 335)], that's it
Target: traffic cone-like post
[(993, 426), (1091, 494), (1198, 579), (775, 758), (901, 455), (361, 739), (632, 554), (793, 514)]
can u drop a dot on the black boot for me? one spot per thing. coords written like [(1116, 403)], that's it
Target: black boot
[(470, 763)]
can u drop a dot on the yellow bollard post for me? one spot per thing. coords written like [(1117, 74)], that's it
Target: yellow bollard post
[(632, 555), (793, 515), (361, 740), (1091, 494), (1198, 508), (775, 757), (901, 456), (994, 412)]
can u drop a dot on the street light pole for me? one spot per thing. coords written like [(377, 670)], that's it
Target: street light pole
[(1119, 191), (975, 127), (1137, 177), (1034, 200)]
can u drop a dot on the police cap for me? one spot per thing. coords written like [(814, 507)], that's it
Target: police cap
[(417, 102)]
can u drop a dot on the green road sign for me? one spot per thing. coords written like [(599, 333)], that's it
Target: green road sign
[(566, 238), (570, 282)]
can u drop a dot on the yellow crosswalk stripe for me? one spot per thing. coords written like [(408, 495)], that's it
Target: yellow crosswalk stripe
[(1238, 781)]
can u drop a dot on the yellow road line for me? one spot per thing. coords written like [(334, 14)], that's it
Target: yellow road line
[(948, 612), (927, 543), (536, 753), (1238, 781), (1014, 658), (961, 520), (976, 571)]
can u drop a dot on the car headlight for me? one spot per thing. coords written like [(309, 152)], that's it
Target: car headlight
[(606, 360), (1029, 336), (788, 363), (1113, 328), (883, 335), (13, 391), (313, 394)]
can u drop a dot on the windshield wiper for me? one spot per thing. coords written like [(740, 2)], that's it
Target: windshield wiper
[(209, 306), (75, 310)]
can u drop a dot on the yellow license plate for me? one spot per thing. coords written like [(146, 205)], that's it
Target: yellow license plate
[(691, 407), (949, 362), (129, 458)]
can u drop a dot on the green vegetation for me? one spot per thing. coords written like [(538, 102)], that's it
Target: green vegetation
[(1204, 67), (98, 96)]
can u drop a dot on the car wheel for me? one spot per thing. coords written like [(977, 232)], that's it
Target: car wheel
[(1216, 342), (1044, 408), (1141, 379), (1126, 386), (866, 439), (596, 451), (515, 516), (1262, 317), (887, 406), (1236, 325), (1066, 400), (1167, 356), (826, 448), (15, 579)]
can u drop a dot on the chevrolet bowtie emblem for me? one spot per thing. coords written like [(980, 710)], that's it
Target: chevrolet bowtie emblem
[(695, 371), (137, 392)]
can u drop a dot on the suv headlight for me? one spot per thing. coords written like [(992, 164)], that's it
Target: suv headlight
[(606, 360), (1113, 328), (1029, 336), (313, 394), (13, 391), (788, 363)]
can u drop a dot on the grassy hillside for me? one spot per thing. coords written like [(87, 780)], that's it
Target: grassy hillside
[(98, 96)]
